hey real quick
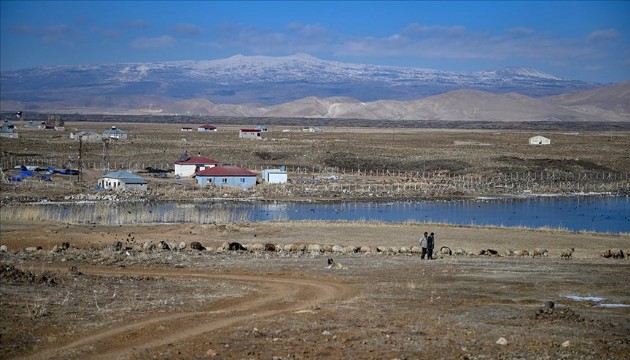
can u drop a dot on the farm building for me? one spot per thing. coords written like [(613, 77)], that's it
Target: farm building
[(539, 140), (89, 136), (275, 176), (231, 176), (207, 128), (187, 165), (122, 180), (249, 134), (262, 128), (8, 132), (185, 128), (115, 133)]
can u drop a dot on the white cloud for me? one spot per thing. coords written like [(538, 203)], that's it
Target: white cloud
[(137, 23), (153, 42), (603, 35), (186, 29)]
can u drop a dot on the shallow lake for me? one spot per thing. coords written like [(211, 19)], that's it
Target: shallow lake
[(576, 213)]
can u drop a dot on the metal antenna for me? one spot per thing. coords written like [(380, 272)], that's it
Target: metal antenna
[(80, 164)]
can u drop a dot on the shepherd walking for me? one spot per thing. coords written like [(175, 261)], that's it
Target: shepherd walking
[(430, 246), (423, 244)]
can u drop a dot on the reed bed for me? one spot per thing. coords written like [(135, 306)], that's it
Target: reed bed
[(123, 214)]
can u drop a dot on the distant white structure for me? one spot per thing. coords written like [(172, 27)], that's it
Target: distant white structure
[(122, 180), (539, 140), (115, 133), (275, 176)]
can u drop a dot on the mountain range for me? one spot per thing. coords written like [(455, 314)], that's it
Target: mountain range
[(304, 86)]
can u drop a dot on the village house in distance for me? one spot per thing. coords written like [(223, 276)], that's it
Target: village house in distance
[(207, 128), (539, 140), (188, 165), (115, 133), (122, 180), (230, 176)]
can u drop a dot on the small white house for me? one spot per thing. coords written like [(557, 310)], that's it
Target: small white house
[(539, 140), (229, 176), (275, 176), (88, 136), (207, 128), (115, 133), (187, 165), (250, 134), (122, 180), (8, 132)]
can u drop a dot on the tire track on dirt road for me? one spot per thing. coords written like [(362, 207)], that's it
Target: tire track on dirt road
[(279, 294)]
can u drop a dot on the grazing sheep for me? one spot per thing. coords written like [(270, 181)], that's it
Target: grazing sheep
[(445, 250), (270, 247), (460, 252), (567, 254), (394, 249), (290, 248), (416, 250), (334, 265), (314, 248), (181, 246), (196, 245), (327, 248), (521, 253), (349, 249), (234, 246), (509, 252), (538, 252), (365, 249), (164, 246), (381, 249), (613, 253), (489, 252), (337, 249), (404, 250), (148, 246), (256, 247)]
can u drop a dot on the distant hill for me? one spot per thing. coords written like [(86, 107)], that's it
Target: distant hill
[(306, 87), (615, 98), (455, 105)]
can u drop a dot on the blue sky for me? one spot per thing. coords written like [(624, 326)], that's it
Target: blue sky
[(579, 40)]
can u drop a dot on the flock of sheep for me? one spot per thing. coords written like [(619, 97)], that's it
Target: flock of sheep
[(352, 249)]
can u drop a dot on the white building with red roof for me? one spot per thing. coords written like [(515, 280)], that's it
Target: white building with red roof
[(188, 165), (250, 134), (231, 176), (207, 128)]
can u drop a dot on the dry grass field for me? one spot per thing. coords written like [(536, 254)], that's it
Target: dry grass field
[(442, 162), (89, 300)]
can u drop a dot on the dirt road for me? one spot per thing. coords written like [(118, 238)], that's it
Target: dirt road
[(275, 296)]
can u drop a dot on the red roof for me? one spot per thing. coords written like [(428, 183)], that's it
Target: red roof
[(225, 171), (197, 160), (207, 126), (251, 130)]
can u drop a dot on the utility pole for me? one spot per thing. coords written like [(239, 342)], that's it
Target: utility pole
[(80, 163)]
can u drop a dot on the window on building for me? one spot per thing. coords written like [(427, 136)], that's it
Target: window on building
[(224, 180)]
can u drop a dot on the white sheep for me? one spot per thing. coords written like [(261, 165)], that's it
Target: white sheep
[(337, 249), (460, 252), (613, 253), (335, 265), (538, 252)]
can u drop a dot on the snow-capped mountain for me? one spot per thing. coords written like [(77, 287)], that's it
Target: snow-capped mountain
[(262, 80)]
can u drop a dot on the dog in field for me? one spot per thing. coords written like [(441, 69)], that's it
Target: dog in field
[(334, 265)]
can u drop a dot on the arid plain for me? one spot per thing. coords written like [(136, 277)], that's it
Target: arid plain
[(92, 301)]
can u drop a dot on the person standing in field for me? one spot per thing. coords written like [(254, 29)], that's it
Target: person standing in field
[(430, 246), (423, 244)]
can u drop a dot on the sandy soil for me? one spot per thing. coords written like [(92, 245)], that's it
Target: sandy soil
[(92, 302)]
